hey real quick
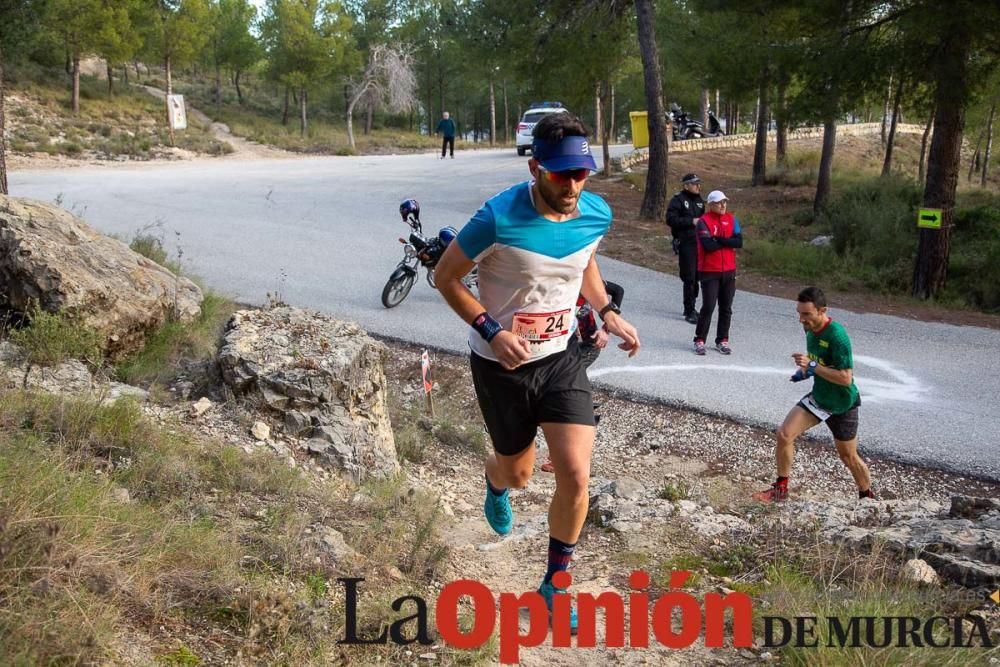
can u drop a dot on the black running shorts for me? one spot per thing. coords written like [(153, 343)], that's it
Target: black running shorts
[(843, 426), (554, 389)]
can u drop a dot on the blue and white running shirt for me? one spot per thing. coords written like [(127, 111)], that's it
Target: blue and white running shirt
[(530, 267)]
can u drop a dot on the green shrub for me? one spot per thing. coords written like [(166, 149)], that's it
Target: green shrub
[(974, 267), (149, 246), (874, 230), (51, 339)]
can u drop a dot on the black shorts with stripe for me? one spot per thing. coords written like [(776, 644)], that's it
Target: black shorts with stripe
[(844, 426), (554, 389)]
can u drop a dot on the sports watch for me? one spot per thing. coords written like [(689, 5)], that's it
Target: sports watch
[(612, 306), (811, 369)]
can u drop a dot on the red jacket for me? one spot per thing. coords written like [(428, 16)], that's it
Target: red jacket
[(718, 238)]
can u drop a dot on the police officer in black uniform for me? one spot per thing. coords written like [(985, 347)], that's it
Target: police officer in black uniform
[(682, 217)]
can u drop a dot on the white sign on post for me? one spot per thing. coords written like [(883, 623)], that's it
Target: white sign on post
[(178, 115)]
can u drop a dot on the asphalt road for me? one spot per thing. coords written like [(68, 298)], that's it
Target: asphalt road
[(321, 233)]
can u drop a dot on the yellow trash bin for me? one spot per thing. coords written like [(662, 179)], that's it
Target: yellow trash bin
[(640, 129)]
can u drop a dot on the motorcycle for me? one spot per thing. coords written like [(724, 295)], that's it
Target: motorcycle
[(420, 250), (684, 127)]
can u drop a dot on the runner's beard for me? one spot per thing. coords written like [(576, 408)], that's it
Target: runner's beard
[(563, 205)]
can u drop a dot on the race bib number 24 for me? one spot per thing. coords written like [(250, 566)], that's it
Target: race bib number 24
[(546, 332)]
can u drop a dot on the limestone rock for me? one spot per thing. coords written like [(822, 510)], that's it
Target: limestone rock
[(324, 376), (918, 571), (332, 541), (961, 545), (52, 259), (260, 430), (201, 406)]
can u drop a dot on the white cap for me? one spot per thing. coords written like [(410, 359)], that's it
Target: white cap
[(717, 196)]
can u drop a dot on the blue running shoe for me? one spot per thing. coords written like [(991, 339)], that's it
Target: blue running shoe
[(498, 512), (547, 590)]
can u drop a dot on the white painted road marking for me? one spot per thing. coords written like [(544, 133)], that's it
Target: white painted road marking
[(906, 387)]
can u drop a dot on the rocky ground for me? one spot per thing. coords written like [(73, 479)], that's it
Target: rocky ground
[(670, 490), (666, 484)]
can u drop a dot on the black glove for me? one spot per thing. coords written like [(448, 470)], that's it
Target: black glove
[(676, 244)]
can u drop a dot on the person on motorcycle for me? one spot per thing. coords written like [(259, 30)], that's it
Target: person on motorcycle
[(682, 215), (592, 338), (536, 246)]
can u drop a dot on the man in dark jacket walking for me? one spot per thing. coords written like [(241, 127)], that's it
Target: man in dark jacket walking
[(446, 126), (682, 217)]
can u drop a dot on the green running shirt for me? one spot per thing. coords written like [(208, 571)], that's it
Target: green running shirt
[(832, 348)]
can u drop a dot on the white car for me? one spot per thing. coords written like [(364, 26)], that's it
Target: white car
[(528, 121)]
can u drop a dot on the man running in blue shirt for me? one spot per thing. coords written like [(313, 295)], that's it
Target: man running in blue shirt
[(535, 244)]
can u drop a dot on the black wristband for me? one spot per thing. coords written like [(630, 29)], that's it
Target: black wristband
[(611, 307), (486, 326)]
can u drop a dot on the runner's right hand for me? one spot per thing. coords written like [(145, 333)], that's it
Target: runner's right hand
[(511, 350)]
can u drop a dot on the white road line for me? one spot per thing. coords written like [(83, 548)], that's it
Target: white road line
[(906, 387)]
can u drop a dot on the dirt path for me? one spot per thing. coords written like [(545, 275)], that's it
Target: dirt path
[(715, 464), (242, 148)]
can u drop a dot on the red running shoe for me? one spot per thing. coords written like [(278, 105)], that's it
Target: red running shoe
[(776, 494), (548, 467)]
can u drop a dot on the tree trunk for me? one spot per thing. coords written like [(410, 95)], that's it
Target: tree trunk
[(168, 74), (598, 101), (760, 147), (736, 119), (611, 114), (885, 109), (602, 127), (218, 86), (76, 83), (654, 200), (239, 93), (989, 146), (823, 181), (303, 117), (350, 128), (974, 161), (716, 107), (369, 117), (887, 163), (125, 74), (430, 103), (923, 146), (284, 109), (703, 105), (111, 78), (930, 271), (493, 114), (3, 142), (506, 116), (351, 103), (781, 114)]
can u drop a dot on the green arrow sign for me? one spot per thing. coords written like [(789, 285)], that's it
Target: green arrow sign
[(929, 218)]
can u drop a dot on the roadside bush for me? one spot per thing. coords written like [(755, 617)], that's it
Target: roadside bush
[(150, 246), (874, 230), (51, 339), (801, 168), (974, 268)]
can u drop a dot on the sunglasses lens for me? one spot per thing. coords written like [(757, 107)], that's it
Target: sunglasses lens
[(564, 177)]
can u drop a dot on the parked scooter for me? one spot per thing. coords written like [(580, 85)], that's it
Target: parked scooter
[(685, 127)]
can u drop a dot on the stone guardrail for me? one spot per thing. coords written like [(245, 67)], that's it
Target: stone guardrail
[(641, 155)]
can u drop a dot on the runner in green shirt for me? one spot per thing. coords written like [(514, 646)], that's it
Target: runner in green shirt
[(834, 398)]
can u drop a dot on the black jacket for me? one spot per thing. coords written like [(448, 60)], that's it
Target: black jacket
[(683, 213)]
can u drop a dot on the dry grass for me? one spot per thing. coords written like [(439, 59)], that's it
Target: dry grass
[(113, 527), (791, 572)]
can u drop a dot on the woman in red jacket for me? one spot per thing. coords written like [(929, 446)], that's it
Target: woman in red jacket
[(719, 236)]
